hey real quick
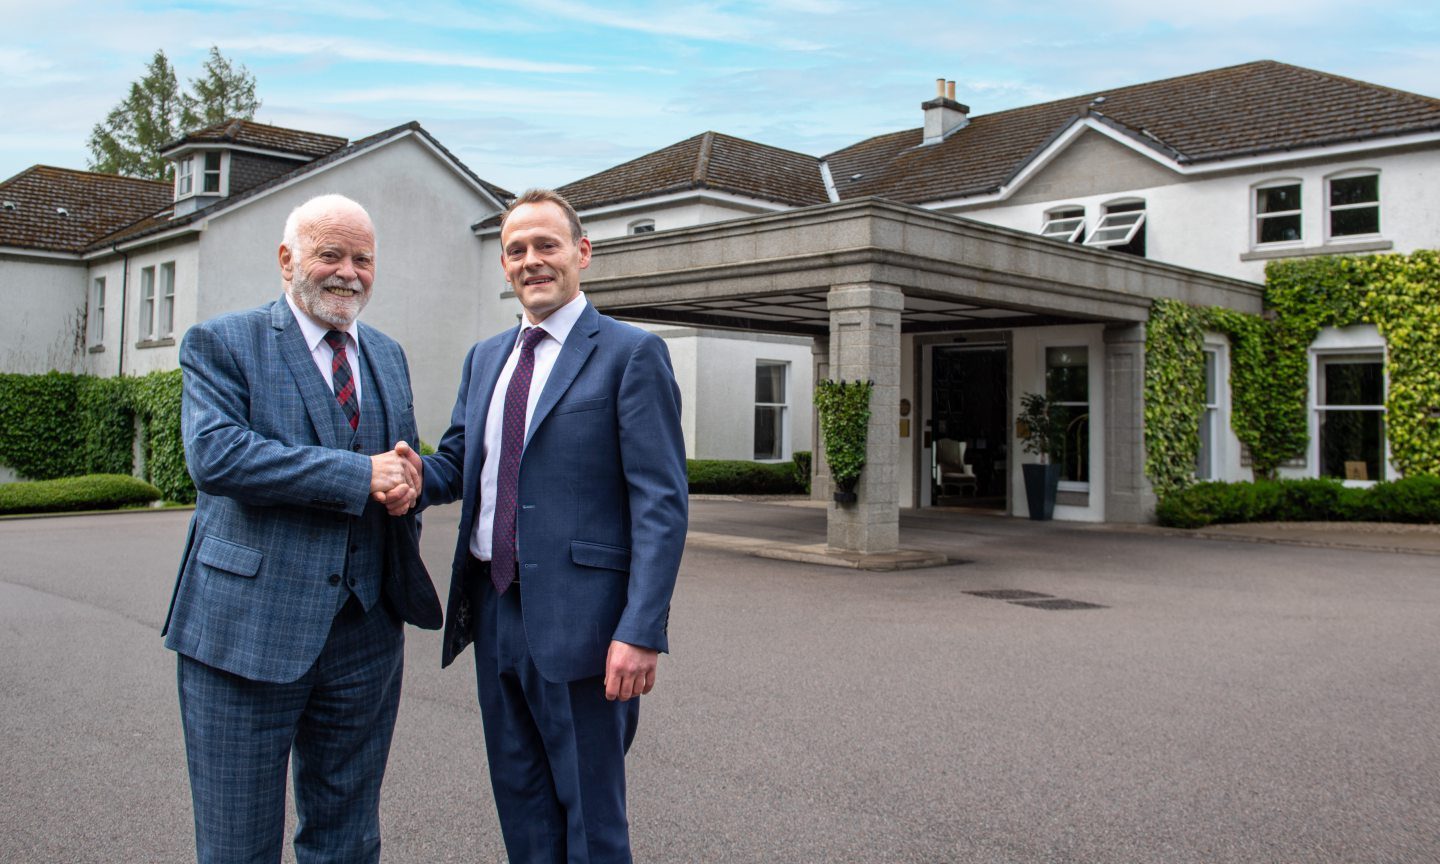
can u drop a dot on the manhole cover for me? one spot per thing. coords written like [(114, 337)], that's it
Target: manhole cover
[(1058, 604), (1009, 594)]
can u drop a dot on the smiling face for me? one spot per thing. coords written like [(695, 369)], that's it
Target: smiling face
[(542, 258), (330, 272)]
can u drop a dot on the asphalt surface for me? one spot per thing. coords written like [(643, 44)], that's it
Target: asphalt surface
[(1229, 701)]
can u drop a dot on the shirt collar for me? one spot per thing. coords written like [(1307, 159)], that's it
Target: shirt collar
[(315, 332), (560, 322)]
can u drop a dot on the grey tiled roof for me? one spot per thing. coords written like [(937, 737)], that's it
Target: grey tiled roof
[(252, 134), (94, 204)]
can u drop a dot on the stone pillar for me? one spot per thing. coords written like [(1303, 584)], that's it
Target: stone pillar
[(820, 488), (1128, 494), (865, 345)]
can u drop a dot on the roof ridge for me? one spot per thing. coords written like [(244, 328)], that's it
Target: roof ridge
[(702, 160)]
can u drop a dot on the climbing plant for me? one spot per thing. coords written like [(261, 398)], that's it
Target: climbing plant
[(844, 410)]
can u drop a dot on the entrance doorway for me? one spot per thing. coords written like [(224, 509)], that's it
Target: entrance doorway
[(968, 425)]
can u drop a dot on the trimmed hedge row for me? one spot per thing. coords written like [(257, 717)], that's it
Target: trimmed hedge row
[(90, 492), (1410, 499), (738, 477)]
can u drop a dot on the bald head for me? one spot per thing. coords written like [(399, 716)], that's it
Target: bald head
[(327, 259)]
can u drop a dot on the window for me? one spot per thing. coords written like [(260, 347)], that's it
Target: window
[(1277, 213), (641, 226), (1350, 415), (184, 177), (210, 182), (1121, 229), (1205, 462), (167, 299), (1067, 387), (1354, 205), (147, 303), (1065, 223), (97, 311), (770, 409)]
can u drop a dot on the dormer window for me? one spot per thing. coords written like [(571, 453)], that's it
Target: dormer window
[(1121, 229), (641, 226), (185, 177), (1064, 223), (210, 183)]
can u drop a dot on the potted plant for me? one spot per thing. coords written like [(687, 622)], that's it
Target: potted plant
[(1040, 433), (844, 419)]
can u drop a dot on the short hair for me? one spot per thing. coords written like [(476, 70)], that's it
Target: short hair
[(544, 196), (305, 214)]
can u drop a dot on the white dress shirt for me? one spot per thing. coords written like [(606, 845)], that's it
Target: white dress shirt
[(557, 328), (320, 350)]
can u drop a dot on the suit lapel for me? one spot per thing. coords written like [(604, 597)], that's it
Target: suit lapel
[(483, 378), (313, 391), (381, 364), (577, 349)]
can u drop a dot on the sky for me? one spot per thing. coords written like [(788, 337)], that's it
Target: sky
[(543, 92)]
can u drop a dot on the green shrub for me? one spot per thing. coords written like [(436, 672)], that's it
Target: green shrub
[(90, 492), (803, 463), (738, 477), (1412, 499)]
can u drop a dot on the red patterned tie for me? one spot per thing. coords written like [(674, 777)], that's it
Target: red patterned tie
[(344, 381), (512, 444)]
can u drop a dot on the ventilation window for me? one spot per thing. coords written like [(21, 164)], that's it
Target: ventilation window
[(641, 226), (1121, 229), (1066, 223)]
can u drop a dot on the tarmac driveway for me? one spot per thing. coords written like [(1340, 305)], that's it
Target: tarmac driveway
[(1208, 701)]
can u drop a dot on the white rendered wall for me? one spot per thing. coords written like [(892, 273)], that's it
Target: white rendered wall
[(44, 320), (721, 405)]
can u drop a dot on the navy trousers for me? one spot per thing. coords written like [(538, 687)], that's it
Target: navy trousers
[(333, 724), (556, 751)]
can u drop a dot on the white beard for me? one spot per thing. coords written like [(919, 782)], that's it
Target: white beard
[(321, 305)]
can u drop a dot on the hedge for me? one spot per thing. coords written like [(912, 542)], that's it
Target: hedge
[(1410, 499), (738, 477), (90, 492)]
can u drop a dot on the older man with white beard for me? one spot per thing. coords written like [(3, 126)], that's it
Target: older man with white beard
[(284, 617)]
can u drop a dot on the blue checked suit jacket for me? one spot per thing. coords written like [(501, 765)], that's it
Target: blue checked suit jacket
[(603, 495), (256, 595)]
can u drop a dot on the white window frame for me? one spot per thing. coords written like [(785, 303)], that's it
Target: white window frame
[(1064, 223), (640, 226), (1089, 403), (146, 326), (185, 177), (97, 311), (782, 425), (1351, 174), (206, 172), (1217, 413), (1256, 217), (1360, 342), (166, 326), (1111, 221)]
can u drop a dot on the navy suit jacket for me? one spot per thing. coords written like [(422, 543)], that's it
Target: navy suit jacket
[(603, 495), (277, 489)]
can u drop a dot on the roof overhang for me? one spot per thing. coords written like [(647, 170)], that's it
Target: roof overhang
[(45, 254), (772, 273), (650, 202), (196, 146)]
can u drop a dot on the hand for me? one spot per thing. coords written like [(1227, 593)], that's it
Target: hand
[(396, 478), (629, 671)]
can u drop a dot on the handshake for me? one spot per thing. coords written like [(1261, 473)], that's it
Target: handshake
[(396, 478)]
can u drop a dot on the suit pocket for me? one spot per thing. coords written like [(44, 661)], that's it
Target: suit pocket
[(230, 557), (581, 405), (599, 555)]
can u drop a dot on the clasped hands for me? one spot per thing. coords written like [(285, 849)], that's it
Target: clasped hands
[(396, 478)]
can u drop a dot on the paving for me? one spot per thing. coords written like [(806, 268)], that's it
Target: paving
[(1055, 693)]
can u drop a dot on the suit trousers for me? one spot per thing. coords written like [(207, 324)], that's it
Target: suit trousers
[(556, 750), (337, 719)]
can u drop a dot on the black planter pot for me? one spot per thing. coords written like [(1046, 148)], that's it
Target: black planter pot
[(1041, 481), (845, 492)]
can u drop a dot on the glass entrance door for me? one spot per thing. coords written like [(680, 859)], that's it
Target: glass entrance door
[(968, 425)]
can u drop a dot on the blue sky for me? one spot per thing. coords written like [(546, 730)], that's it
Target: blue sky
[(542, 92)]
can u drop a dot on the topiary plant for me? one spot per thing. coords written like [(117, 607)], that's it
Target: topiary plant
[(844, 422)]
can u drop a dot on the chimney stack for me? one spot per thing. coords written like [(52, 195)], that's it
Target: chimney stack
[(943, 114)]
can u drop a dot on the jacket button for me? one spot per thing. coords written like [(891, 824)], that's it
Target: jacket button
[(351, 581), (334, 578)]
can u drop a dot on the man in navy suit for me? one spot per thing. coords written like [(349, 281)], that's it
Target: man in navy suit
[(566, 448), (295, 419)]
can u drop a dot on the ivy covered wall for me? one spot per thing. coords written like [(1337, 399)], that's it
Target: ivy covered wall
[(1269, 363)]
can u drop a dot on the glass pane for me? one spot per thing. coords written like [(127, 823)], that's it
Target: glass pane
[(1352, 383), (1061, 227), (1127, 207), (1116, 220), (1067, 374), (1355, 190), (211, 182), (1074, 453), (1277, 199), (1204, 461), (212, 161), (1067, 213), (1351, 443), (767, 432), (1210, 373), (1360, 220), (1278, 229), (769, 383)]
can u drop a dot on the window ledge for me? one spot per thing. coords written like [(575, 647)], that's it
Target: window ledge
[(1326, 249), (155, 343), (97, 349), (1072, 497)]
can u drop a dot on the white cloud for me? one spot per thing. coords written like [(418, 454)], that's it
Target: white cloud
[(347, 49)]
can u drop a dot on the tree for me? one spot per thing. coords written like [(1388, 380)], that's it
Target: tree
[(223, 92), (156, 112)]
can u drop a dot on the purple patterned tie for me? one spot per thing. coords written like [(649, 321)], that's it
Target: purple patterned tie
[(512, 444), (344, 381)]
